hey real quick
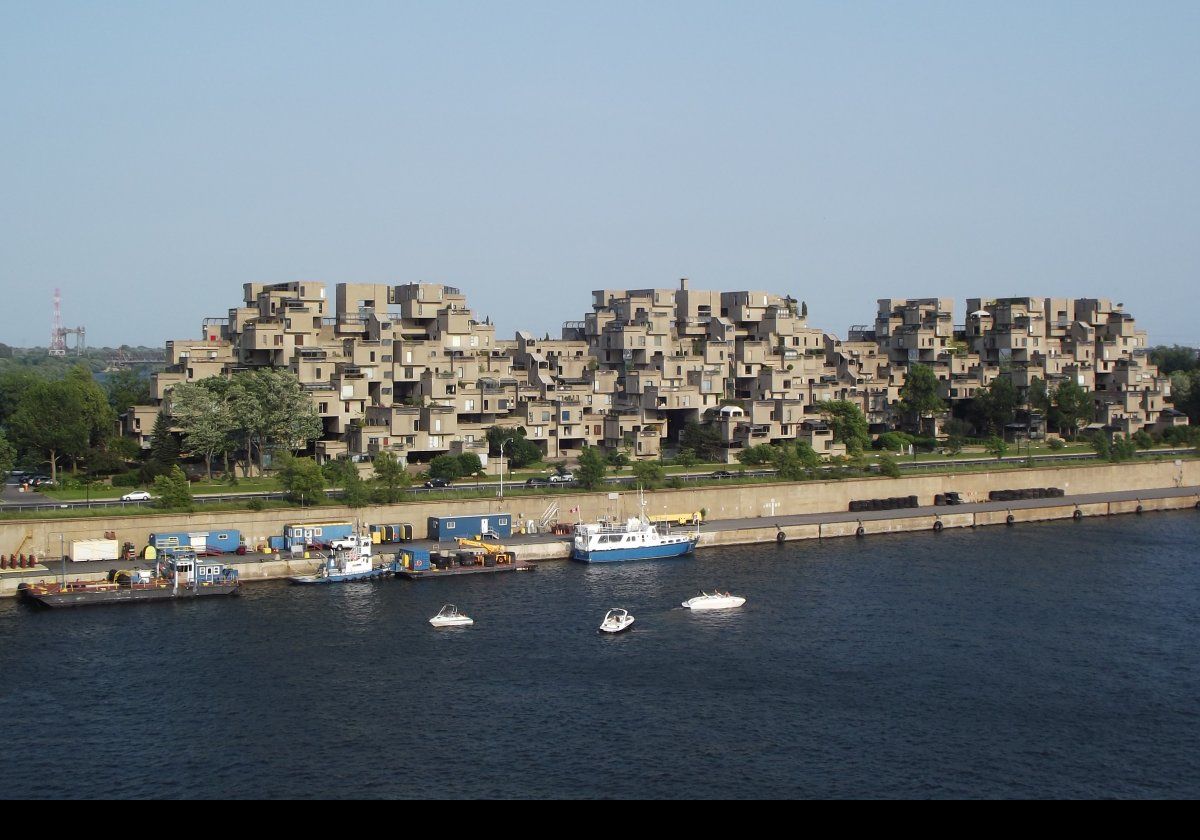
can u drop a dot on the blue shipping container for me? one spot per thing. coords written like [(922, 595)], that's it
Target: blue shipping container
[(448, 527)]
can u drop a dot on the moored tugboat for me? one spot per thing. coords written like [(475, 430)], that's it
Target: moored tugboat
[(177, 576)]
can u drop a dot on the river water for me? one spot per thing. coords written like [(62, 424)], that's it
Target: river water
[(1051, 660)]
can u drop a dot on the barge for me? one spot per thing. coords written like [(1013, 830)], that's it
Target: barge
[(180, 576), (482, 559)]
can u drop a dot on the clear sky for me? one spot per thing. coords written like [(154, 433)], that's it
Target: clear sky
[(158, 155)]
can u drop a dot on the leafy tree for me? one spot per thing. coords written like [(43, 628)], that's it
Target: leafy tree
[(522, 453), (649, 474), (756, 456), (445, 466), (1039, 395), (391, 475), (686, 458), (796, 462), (355, 492), (995, 407), (13, 385), (126, 388), (173, 490), (592, 468), (339, 471), (704, 440), (271, 410), (996, 446), (1074, 405), (919, 395), (1143, 440), (50, 420), (848, 423), (1174, 358), (618, 458), (98, 414), (888, 466), (469, 464), (302, 480), (204, 412), (8, 456)]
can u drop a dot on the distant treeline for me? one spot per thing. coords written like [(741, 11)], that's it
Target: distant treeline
[(1182, 364)]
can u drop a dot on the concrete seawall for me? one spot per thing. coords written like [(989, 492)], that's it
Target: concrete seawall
[(788, 528), (732, 502)]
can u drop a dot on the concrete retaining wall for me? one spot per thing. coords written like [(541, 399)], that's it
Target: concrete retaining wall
[(730, 502)]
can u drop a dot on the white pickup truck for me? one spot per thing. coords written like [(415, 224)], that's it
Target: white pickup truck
[(349, 543)]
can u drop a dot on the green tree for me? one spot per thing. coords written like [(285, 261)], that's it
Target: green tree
[(392, 476), (445, 466), (756, 456), (1174, 358), (13, 385), (686, 458), (272, 411), (98, 414), (1039, 396), (796, 462), (1074, 405), (617, 458), (848, 423), (173, 490), (164, 445), (649, 474), (355, 492), (8, 456), (204, 413), (469, 464), (126, 388), (704, 440), (592, 468), (50, 422), (996, 446), (995, 406), (919, 394), (302, 480), (888, 466)]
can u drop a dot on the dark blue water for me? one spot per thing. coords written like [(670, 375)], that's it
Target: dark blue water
[(1056, 660)]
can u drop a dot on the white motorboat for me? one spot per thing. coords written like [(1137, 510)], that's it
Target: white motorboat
[(451, 617), (616, 621), (715, 601)]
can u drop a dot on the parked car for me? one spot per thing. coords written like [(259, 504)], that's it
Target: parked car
[(722, 474), (562, 479), (434, 483), (537, 482), (136, 496)]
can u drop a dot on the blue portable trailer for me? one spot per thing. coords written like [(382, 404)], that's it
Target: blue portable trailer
[(303, 534), (495, 525), (217, 542)]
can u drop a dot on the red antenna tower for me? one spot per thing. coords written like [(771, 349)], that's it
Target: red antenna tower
[(58, 340)]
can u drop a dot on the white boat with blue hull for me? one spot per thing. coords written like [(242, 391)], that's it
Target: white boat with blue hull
[(341, 568), (636, 539)]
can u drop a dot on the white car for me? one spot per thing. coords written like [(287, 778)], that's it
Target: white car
[(562, 479), (136, 496)]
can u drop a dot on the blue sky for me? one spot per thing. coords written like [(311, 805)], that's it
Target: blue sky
[(158, 155)]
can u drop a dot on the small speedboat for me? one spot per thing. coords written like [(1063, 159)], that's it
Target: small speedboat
[(616, 621), (451, 617), (715, 601)]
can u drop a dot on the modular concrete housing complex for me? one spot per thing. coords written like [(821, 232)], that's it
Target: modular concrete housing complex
[(412, 370)]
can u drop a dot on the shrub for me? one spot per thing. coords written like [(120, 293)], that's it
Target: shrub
[(892, 441), (133, 478), (889, 467), (1056, 444)]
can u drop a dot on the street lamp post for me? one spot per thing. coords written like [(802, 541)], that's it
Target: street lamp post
[(502, 444)]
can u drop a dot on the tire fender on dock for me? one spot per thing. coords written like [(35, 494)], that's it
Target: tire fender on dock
[(937, 526), (1077, 515)]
